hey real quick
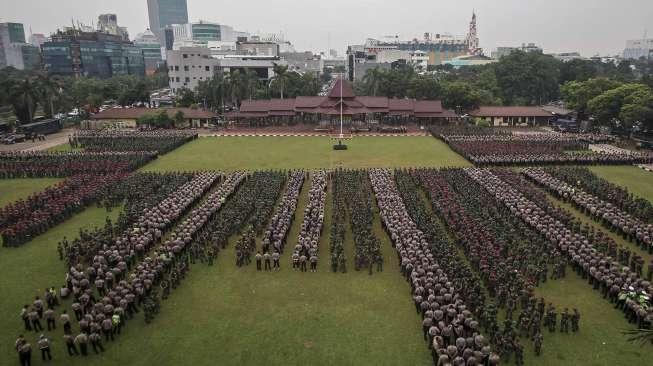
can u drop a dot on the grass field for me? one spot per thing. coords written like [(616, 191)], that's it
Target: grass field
[(638, 181), (14, 189), (232, 153), (27, 270), (226, 315)]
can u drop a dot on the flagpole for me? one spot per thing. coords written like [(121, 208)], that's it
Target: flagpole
[(341, 81)]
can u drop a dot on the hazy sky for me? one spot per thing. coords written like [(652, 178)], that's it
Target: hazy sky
[(588, 26)]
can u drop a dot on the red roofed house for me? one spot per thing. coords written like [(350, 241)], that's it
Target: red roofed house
[(341, 99), (512, 116)]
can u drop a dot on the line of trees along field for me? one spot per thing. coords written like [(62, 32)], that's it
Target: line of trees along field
[(606, 91)]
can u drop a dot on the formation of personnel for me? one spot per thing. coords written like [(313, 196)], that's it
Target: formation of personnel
[(617, 282), (120, 273), (509, 270), (25, 219), (603, 189), (358, 199), (482, 146), (64, 164), (274, 238), (306, 249), (161, 141), (610, 215), (449, 326), (338, 225)]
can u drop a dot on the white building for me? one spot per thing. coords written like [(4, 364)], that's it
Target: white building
[(639, 48), (190, 65)]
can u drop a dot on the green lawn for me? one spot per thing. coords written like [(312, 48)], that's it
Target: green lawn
[(230, 316), (223, 315), (15, 189), (28, 270), (232, 153), (638, 181)]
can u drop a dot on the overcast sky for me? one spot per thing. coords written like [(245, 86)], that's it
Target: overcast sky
[(588, 26)]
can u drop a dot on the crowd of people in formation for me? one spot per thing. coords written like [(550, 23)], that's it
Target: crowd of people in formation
[(161, 141), (609, 214), (271, 184), (584, 179), (449, 326), (274, 238), (306, 250), (338, 217), (65, 164), (486, 146), (510, 258), (120, 278), (136, 193), (27, 218), (616, 282), (358, 199)]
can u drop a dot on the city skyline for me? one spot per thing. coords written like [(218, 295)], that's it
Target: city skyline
[(585, 26)]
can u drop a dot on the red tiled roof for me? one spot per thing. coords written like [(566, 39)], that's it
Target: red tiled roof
[(513, 111), (428, 106), (373, 102), (255, 106), (401, 104), (135, 113), (282, 104), (342, 89), (309, 102)]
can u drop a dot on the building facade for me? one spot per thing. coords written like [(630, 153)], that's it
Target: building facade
[(108, 23), (505, 51), (14, 51), (95, 54), (188, 66), (163, 13), (152, 51), (639, 48)]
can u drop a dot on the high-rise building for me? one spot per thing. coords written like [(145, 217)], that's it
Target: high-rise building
[(78, 53), (163, 13), (14, 51), (639, 48), (151, 48)]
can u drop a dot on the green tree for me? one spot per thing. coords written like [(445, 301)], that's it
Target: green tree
[(528, 78), (460, 96), (179, 119), (185, 98), (24, 94), (371, 80), (280, 77), (631, 99), (577, 94)]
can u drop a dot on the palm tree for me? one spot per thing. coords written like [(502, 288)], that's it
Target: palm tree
[(372, 79), (25, 94), (280, 77), (236, 84), (250, 79), (51, 87)]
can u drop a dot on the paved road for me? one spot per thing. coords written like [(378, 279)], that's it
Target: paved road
[(51, 141)]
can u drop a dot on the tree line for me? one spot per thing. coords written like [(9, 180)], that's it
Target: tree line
[(231, 89), (520, 78), (32, 92)]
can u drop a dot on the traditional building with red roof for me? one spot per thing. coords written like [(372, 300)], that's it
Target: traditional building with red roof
[(342, 100)]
